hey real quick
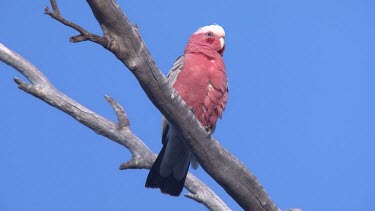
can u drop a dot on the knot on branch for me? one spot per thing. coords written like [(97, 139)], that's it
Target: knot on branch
[(138, 162)]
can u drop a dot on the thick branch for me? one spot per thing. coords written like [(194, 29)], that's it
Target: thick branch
[(222, 166), (142, 157)]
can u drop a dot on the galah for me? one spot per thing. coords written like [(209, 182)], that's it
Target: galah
[(200, 79)]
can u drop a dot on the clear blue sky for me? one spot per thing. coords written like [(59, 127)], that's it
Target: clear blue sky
[(301, 111)]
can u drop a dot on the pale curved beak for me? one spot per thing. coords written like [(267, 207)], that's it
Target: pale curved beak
[(222, 43)]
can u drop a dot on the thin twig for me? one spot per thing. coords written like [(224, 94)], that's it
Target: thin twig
[(55, 8), (84, 34)]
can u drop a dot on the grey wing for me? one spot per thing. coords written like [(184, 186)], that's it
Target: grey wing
[(172, 76), (176, 69)]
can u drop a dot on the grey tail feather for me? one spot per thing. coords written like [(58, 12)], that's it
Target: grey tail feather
[(168, 185)]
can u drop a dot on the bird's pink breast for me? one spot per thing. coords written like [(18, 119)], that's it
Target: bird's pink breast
[(202, 84)]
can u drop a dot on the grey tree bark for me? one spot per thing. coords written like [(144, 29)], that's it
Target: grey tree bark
[(123, 39)]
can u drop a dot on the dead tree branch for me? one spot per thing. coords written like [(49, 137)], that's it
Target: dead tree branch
[(84, 35), (124, 41), (142, 157), (127, 45)]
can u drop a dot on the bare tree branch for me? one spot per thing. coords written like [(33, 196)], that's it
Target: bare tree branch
[(123, 120), (84, 35), (127, 45), (124, 41), (142, 157)]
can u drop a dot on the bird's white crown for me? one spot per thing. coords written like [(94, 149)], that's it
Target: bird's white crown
[(216, 29)]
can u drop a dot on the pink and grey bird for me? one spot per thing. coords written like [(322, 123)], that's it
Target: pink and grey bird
[(200, 79)]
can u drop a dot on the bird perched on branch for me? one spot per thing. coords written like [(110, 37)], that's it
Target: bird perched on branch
[(200, 79)]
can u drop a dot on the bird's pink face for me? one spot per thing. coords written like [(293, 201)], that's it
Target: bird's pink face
[(212, 36)]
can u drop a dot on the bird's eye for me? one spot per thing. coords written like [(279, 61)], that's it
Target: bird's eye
[(209, 34)]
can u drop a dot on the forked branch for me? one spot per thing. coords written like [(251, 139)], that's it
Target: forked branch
[(83, 36)]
